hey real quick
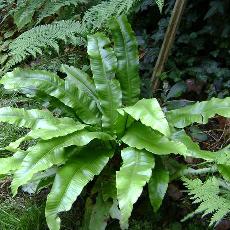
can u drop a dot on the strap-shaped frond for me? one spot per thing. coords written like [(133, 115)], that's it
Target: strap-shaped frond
[(103, 65), (158, 185), (143, 137), (221, 156), (125, 47), (60, 130), (29, 80), (71, 179), (135, 172), (33, 119), (149, 112), (193, 149), (199, 112), (85, 85), (53, 104), (11, 163), (47, 153)]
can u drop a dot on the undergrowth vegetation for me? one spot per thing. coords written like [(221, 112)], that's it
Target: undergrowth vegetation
[(84, 142)]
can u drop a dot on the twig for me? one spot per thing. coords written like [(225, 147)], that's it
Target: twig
[(168, 42)]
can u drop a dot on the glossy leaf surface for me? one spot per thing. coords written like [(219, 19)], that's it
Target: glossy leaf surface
[(143, 137), (125, 47), (157, 186), (33, 119), (11, 163), (29, 81), (47, 153), (149, 112), (135, 172), (103, 65), (70, 180), (199, 112)]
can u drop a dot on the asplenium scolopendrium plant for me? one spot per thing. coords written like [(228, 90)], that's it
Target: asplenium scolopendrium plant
[(100, 120)]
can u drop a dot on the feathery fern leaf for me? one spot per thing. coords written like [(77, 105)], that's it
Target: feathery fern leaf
[(125, 47), (160, 4), (199, 112), (24, 12), (53, 6), (36, 39), (207, 194), (100, 14), (130, 180)]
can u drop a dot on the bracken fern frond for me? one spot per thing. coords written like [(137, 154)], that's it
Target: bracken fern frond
[(98, 15), (53, 6), (207, 194), (160, 4), (33, 41)]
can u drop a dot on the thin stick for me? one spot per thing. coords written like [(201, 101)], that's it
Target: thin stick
[(168, 42)]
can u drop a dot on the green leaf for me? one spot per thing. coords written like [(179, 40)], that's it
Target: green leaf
[(100, 214), (103, 65), (193, 149), (34, 119), (207, 195), (82, 81), (78, 83), (60, 130), (221, 157), (53, 104), (52, 7), (11, 163), (46, 134), (143, 137), (177, 90), (198, 134), (29, 81), (149, 112), (224, 171), (51, 152), (130, 180), (160, 4), (157, 186), (199, 112), (24, 13), (126, 50), (71, 179)]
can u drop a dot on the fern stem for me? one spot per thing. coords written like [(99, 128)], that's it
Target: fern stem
[(192, 172)]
